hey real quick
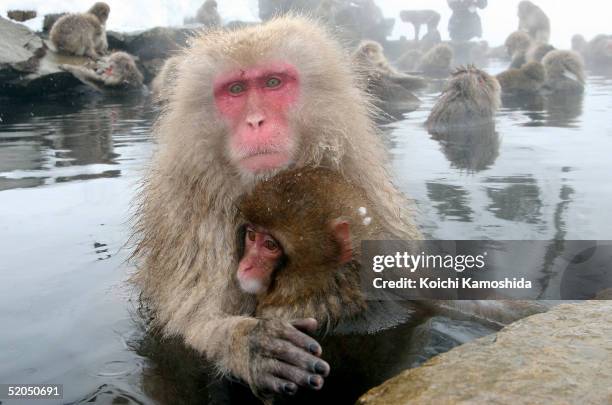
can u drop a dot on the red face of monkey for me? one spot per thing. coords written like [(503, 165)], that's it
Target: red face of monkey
[(256, 104), (262, 254)]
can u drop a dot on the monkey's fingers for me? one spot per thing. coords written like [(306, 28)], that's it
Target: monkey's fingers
[(308, 325), (295, 356), (297, 376), (268, 384), (302, 340)]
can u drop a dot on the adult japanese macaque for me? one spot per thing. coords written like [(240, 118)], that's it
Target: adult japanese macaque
[(419, 17), (392, 91), (246, 105), (533, 21), (117, 71), (597, 52), (528, 79), (369, 58), (437, 61), (517, 45), (471, 98), (564, 72), (82, 34), (208, 14)]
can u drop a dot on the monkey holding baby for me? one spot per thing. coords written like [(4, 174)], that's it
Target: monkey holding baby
[(246, 105)]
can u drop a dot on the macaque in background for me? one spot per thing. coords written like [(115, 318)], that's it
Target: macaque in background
[(597, 52), (208, 15), (247, 104), (162, 85), (437, 61), (82, 34), (420, 17), (118, 71), (369, 58), (537, 51), (409, 60), (517, 45), (471, 98), (564, 72), (391, 90), (432, 37), (528, 79), (533, 21)]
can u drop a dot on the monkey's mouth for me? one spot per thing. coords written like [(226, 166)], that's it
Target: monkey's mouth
[(265, 161)]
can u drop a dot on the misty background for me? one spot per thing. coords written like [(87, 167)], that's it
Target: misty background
[(587, 17)]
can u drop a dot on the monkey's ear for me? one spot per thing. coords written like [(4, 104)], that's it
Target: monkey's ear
[(342, 233)]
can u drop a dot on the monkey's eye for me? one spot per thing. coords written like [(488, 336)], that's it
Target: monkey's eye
[(273, 82), (251, 234), (236, 88), (270, 245)]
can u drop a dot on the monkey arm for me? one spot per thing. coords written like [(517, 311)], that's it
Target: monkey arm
[(85, 75), (272, 356)]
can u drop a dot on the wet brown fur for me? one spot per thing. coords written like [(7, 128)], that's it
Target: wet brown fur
[(471, 98), (528, 79), (564, 71), (299, 207)]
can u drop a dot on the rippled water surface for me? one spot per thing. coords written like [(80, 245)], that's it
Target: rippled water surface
[(68, 171)]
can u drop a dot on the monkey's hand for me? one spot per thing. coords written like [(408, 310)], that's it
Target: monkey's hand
[(282, 357)]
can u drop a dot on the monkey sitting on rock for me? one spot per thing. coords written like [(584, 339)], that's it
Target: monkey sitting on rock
[(116, 72), (82, 34), (471, 98)]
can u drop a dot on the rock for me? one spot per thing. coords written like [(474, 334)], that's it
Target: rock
[(26, 68), (49, 20), (559, 357), (20, 50), (21, 15)]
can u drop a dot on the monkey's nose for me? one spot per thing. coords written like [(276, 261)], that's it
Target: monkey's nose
[(255, 121)]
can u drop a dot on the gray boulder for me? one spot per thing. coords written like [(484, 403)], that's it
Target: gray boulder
[(563, 356)]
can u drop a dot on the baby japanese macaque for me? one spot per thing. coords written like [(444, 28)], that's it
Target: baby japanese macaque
[(118, 72), (304, 228), (82, 34), (471, 98)]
